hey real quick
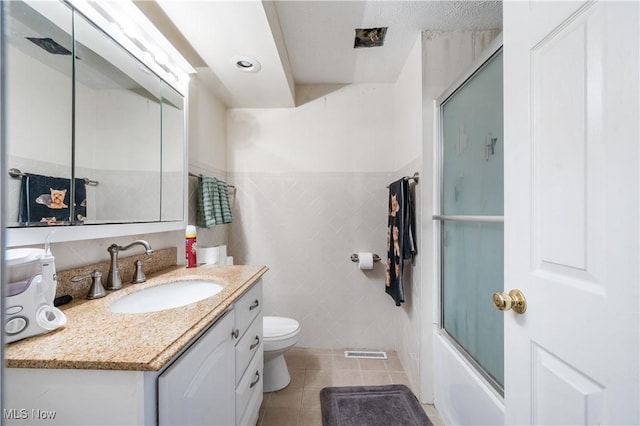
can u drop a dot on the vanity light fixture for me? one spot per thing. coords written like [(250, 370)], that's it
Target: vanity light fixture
[(245, 63), (128, 26), (159, 56)]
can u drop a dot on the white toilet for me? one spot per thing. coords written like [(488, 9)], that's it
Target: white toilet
[(279, 335)]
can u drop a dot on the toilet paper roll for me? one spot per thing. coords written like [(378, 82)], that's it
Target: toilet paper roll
[(222, 254), (208, 255), (365, 260), (229, 260)]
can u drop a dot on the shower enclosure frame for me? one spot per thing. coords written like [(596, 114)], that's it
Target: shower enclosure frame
[(489, 384)]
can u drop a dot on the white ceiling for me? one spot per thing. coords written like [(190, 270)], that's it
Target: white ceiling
[(320, 34), (308, 42)]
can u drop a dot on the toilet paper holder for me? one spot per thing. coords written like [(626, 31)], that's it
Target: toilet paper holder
[(354, 258)]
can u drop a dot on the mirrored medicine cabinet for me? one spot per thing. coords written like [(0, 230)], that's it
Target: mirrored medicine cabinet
[(85, 114)]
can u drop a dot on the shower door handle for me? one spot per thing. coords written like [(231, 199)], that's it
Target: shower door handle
[(513, 300)]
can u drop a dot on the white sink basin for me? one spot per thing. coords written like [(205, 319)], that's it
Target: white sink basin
[(166, 296)]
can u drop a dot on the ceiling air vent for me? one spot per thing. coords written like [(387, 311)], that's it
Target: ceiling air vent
[(50, 45), (369, 37)]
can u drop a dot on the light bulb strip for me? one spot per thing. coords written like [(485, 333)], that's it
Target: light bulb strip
[(126, 24)]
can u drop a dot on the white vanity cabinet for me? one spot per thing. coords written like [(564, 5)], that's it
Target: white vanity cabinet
[(194, 390), (215, 380), (248, 356), (222, 370)]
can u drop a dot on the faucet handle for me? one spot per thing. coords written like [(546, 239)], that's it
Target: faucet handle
[(138, 275), (96, 290)]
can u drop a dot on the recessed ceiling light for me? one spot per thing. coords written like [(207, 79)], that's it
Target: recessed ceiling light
[(245, 63)]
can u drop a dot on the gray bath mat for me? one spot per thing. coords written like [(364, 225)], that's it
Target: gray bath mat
[(388, 405)]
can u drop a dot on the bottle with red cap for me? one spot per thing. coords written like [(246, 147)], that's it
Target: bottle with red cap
[(190, 246)]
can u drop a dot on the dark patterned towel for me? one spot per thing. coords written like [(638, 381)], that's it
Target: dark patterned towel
[(46, 200), (401, 244)]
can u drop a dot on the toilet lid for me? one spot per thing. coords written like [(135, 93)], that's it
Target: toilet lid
[(278, 327)]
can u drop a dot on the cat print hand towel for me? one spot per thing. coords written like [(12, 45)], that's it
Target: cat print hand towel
[(45, 200), (401, 244)]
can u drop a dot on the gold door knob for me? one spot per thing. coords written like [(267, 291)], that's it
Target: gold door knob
[(513, 300)]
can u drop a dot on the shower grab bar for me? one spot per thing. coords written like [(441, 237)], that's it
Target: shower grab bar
[(16, 173), (468, 218)]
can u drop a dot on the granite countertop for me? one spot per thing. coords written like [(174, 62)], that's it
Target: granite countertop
[(96, 338)]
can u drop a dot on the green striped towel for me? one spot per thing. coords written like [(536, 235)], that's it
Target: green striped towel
[(213, 202), (208, 198), (223, 189)]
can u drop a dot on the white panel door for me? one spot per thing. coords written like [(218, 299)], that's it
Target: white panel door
[(571, 212)]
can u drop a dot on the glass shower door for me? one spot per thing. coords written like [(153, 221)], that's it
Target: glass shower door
[(471, 218)]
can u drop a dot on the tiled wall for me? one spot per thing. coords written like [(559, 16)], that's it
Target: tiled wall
[(207, 154), (311, 191), (304, 227), (411, 317), (408, 149), (217, 234)]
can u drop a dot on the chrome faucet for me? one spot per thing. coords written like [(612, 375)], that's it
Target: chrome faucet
[(114, 281)]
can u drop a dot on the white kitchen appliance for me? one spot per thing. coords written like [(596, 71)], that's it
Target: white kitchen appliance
[(29, 293)]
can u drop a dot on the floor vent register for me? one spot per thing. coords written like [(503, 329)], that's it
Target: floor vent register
[(365, 354)]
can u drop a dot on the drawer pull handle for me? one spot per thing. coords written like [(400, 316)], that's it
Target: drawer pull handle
[(255, 345), (255, 304), (235, 333), (255, 382)]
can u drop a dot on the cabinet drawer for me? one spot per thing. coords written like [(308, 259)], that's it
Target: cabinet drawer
[(248, 307), (252, 410), (248, 346), (250, 384)]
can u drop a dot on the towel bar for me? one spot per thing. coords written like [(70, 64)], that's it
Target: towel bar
[(195, 175), (16, 173), (415, 177), (355, 258)]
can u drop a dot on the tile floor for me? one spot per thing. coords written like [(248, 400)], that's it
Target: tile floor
[(312, 369)]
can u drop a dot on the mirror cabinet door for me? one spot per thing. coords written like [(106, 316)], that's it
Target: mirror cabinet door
[(118, 129), (39, 112), (173, 154), (102, 133)]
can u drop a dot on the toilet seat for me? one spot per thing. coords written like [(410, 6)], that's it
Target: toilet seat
[(279, 328)]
